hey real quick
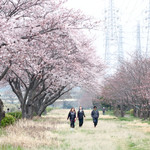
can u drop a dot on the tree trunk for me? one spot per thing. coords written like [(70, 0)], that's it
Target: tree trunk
[(110, 107), (27, 112), (2, 113), (136, 112), (41, 110), (122, 111)]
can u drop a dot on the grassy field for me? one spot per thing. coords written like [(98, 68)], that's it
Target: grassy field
[(52, 132)]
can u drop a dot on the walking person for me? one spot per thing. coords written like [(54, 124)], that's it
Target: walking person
[(80, 116), (8, 110), (103, 110), (95, 115), (72, 117)]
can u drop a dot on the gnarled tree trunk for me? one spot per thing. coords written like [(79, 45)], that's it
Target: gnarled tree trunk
[(2, 112), (34, 98)]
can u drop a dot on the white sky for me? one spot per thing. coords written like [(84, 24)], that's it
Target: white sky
[(130, 12)]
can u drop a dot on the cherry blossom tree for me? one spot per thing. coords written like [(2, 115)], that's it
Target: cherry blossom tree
[(47, 81), (49, 51), (9, 10), (129, 87)]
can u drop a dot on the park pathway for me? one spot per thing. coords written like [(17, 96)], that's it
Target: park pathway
[(52, 132), (110, 134)]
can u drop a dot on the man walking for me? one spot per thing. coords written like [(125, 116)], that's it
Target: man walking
[(95, 115), (104, 110)]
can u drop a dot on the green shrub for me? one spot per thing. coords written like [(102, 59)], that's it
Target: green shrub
[(130, 118), (7, 120), (132, 112), (124, 119), (48, 109), (17, 115), (127, 112)]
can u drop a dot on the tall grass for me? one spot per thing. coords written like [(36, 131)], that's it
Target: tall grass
[(29, 134), (52, 132)]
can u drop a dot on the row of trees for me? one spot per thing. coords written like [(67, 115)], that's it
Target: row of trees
[(45, 52), (129, 87)]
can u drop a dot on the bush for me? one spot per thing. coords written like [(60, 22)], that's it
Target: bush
[(48, 109), (7, 120), (127, 112), (131, 118), (17, 115), (132, 112)]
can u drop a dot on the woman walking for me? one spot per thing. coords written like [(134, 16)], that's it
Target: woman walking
[(72, 117), (81, 116)]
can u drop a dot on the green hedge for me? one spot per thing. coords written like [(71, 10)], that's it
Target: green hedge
[(17, 115), (7, 120), (48, 109), (132, 112)]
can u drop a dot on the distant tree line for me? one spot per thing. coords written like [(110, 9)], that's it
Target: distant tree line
[(129, 87)]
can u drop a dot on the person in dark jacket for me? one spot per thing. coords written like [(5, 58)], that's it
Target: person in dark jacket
[(95, 115), (81, 116), (72, 117), (103, 110)]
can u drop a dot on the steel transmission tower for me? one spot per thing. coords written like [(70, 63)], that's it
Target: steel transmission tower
[(148, 31), (120, 46), (107, 48), (111, 33), (138, 40)]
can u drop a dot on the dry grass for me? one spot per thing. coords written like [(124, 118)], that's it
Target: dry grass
[(141, 126), (52, 132), (30, 134), (110, 134)]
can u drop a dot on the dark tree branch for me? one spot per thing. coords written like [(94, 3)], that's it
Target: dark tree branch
[(5, 71)]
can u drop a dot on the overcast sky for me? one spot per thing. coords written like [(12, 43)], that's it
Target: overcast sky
[(130, 12)]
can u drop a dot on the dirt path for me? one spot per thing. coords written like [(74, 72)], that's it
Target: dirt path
[(110, 134), (52, 132)]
